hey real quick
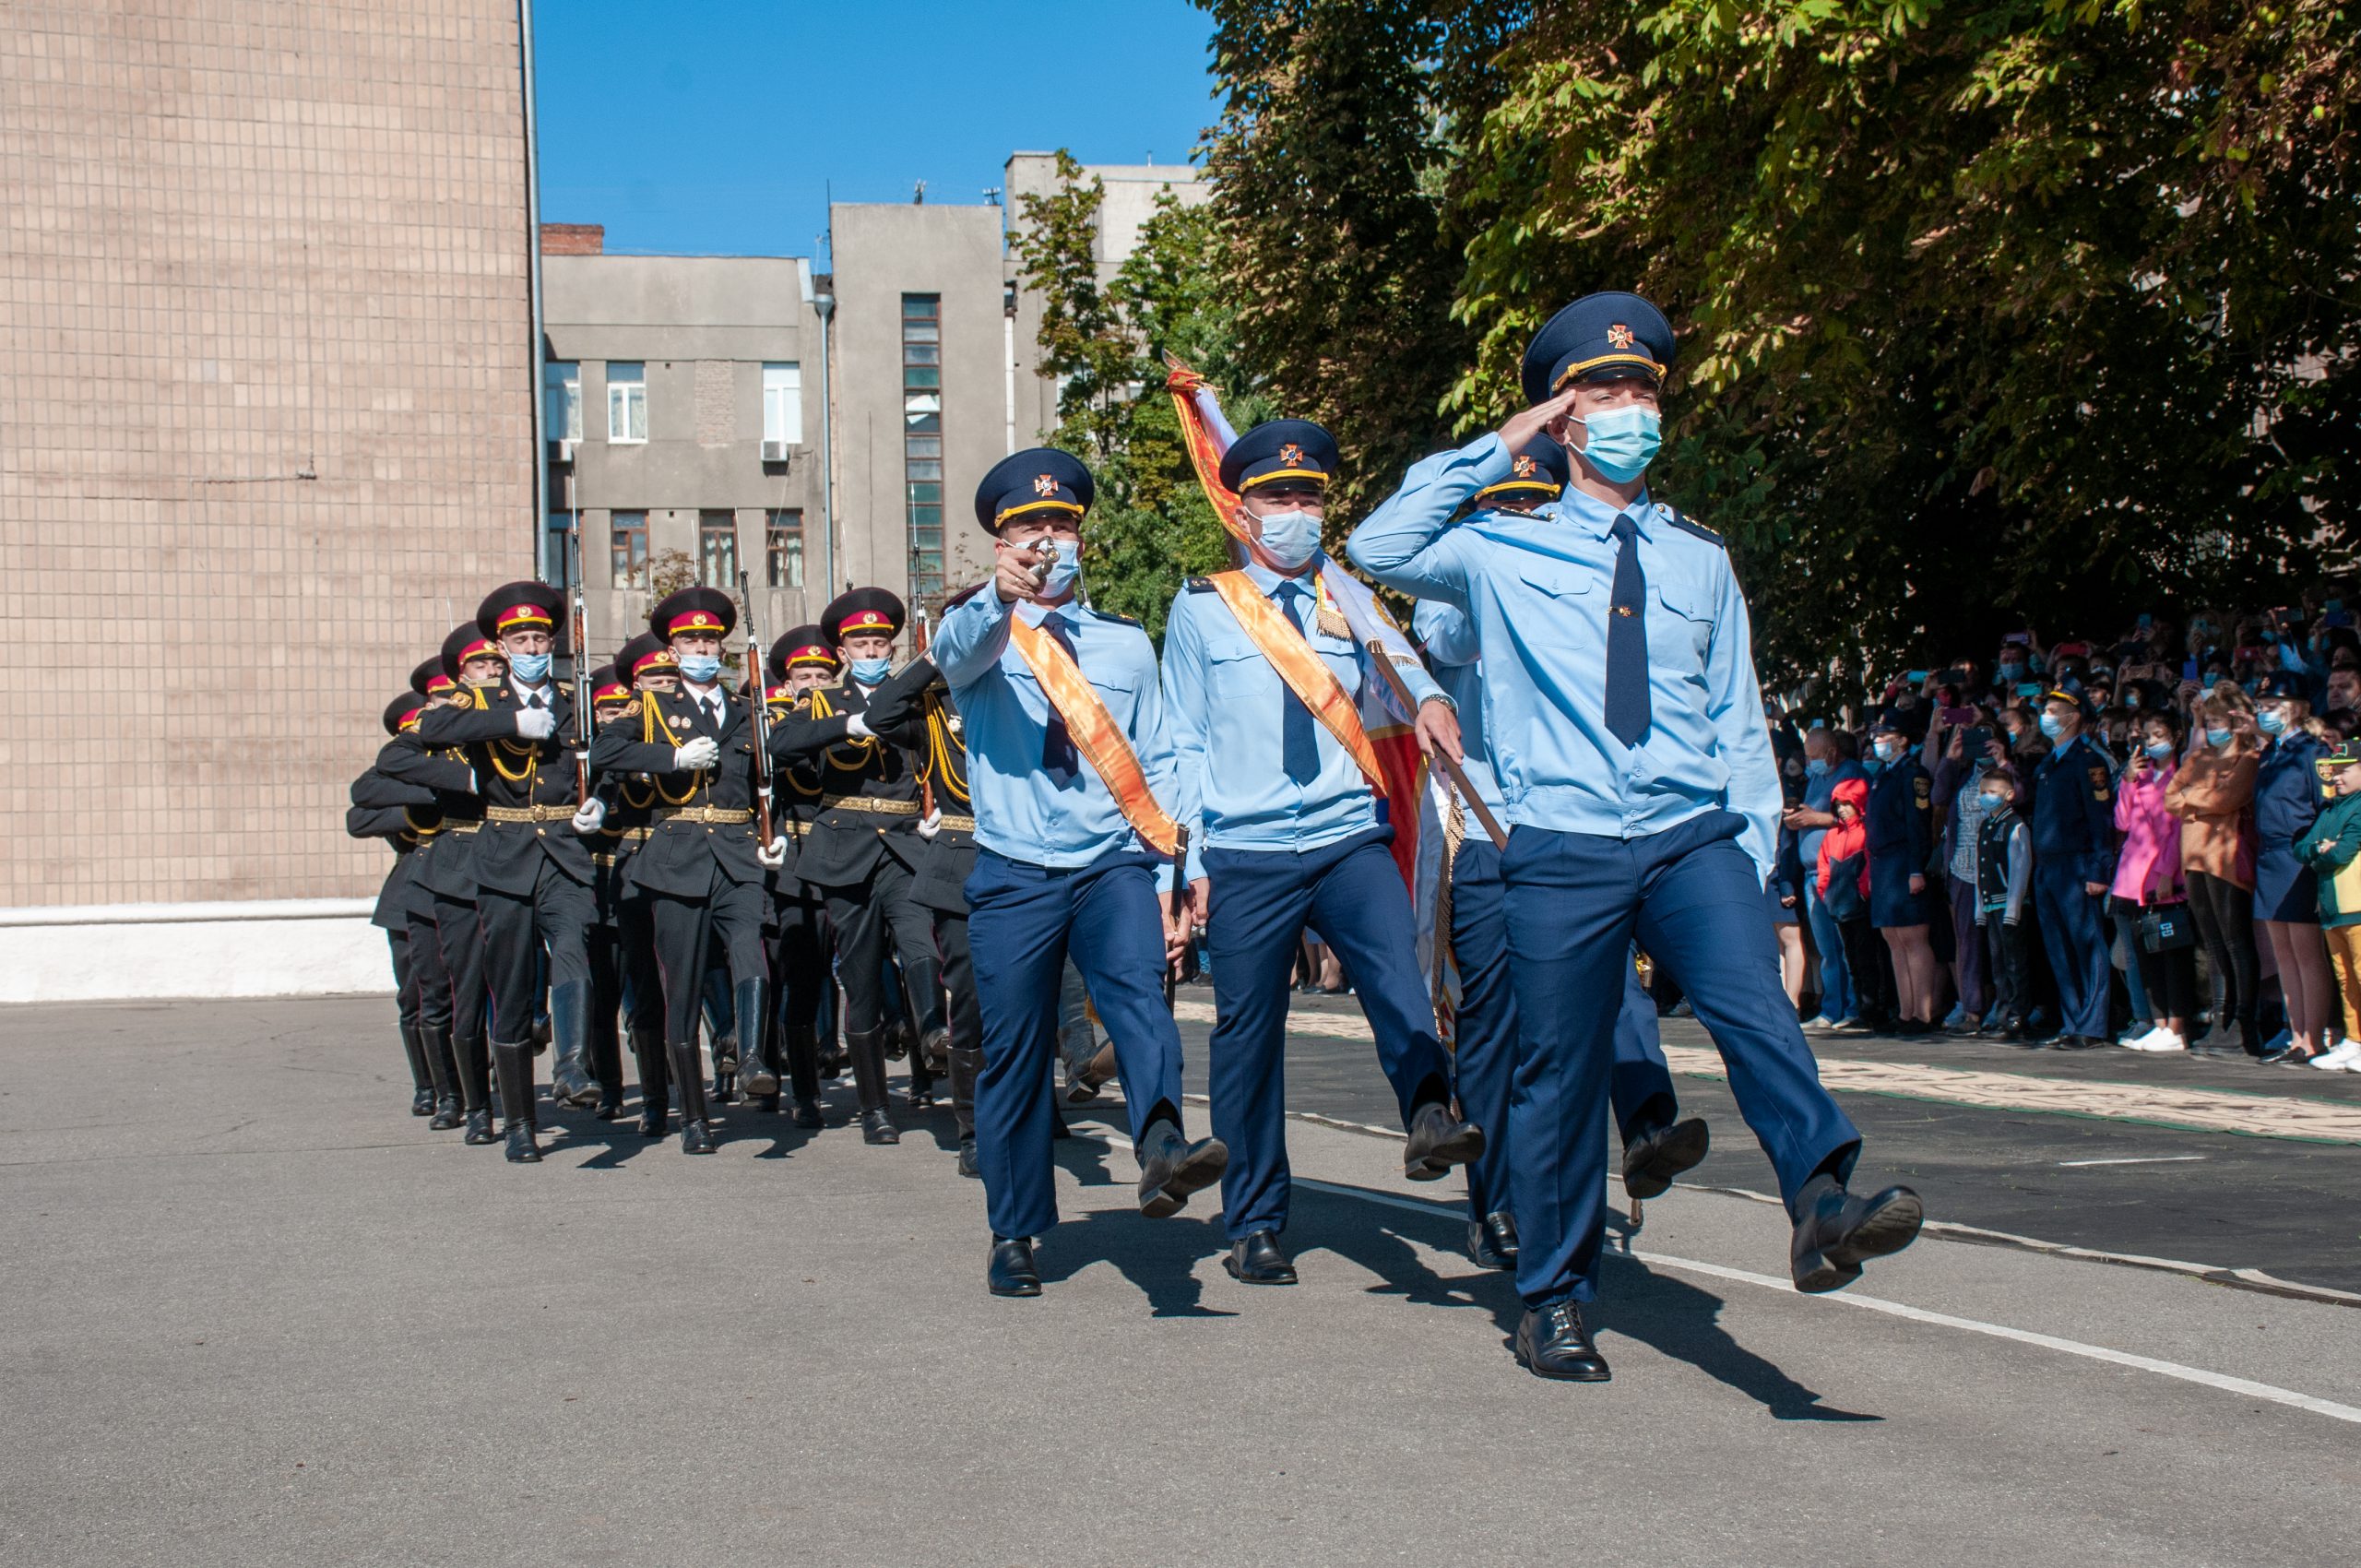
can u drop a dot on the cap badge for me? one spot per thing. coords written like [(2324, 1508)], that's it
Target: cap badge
[(1524, 467), (1290, 454), (1620, 336), (1045, 484)]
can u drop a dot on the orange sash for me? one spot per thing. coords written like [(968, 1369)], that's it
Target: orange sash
[(1095, 733), (1305, 673)]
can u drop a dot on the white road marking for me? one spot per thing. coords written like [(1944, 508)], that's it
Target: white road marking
[(2135, 1159)]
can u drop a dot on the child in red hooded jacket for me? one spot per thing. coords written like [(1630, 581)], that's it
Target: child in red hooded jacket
[(1843, 882)]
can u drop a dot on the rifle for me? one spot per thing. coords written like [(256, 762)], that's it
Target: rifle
[(760, 712), (1178, 906), (583, 716)]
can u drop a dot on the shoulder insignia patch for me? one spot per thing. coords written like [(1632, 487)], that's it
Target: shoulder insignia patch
[(1199, 585), (631, 709), (1119, 619), (1687, 524)]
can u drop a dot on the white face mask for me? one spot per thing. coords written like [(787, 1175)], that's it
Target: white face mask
[(1290, 538), (1064, 569)]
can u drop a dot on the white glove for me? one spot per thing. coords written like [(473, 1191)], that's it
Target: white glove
[(930, 823), (775, 856), (703, 752), (858, 726), (535, 723), (591, 817)]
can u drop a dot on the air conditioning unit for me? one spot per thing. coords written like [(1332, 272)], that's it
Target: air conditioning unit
[(774, 451), (562, 451)]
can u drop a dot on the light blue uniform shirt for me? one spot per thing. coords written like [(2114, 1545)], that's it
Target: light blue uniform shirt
[(1225, 698), (1449, 638), (1022, 811), (1537, 586)]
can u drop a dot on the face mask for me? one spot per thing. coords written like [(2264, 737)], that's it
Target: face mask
[(531, 669), (2271, 720), (1290, 538), (1887, 750), (2051, 724), (2217, 739), (1816, 767), (1992, 802), (1623, 442), (2011, 670), (700, 668), (1064, 569), (869, 671), (2160, 750)]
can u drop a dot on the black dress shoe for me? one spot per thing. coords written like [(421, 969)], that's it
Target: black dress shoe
[(1653, 1160), (807, 1114), (756, 1079), (522, 1147), (1491, 1241), (2076, 1042), (1171, 1168), (1438, 1142), (479, 1129), (1257, 1260), (766, 1103), (609, 1110), (967, 1166), (1095, 1074), (1011, 1271), (655, 1120), (920, 1098), (1838, 1231), (876, 1127), (696, 1137), (1552, 1342), (446, 1114), (421, 1101)]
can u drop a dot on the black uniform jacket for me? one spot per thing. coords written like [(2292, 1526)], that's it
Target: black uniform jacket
[(869, 789), (685, 843), (383, 808), (445, 863), (517, 775), (796, 794)]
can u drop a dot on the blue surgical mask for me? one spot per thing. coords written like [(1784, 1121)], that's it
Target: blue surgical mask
[(869, 671), (1623, 440), (1290, 538), (2160, 750), (2271, 720), (1816, 767), (2051, 724), (1064, 569), (1887, 750), (700, 668), (530, 669), (2218, 739), (1992, 802), (2011, 670)]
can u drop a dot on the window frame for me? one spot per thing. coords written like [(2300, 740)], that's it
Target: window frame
[(627, 528), (624, 385), (776, 533), (780, 397), (714, 523)]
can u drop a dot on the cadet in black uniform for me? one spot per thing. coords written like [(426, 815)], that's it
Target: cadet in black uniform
[(645, 664), (608, 695), (862, 849), (701, 867), (533, 870), (381, 809), (800, 662)]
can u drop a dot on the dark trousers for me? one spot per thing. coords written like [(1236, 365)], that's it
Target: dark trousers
[(2224, 916), (798, 953), (2123, 923), (429, 980), (406, 997), (728, 919), (967, 1021), (2167, 980), (1967, 948), (1693, 899), (1022, 920), (2075, 939), (871, 919), (2010, 952), (1484, 1056), (559, 913), (1350, 893), (461, 939), (643, 981), (1864, 952)]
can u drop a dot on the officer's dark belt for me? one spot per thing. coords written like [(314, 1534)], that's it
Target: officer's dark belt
[(529, 813), (882, 806), (731, 814)]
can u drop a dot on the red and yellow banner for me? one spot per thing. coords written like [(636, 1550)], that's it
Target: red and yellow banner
[(1096, 734)]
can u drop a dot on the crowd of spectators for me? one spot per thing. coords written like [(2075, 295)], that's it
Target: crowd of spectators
[(2144, 841)]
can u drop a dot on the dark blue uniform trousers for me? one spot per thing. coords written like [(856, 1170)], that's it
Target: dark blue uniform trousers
[(1695, 900), (1484, 1057), (2076, 941), (1351, 892), (1022, 920)]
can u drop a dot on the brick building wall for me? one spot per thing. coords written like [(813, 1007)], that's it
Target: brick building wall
[(265, 421)]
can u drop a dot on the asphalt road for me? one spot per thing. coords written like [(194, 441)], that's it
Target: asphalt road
[(258, 1315)]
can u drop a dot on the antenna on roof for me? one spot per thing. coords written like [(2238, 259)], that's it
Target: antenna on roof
[(917, 196)]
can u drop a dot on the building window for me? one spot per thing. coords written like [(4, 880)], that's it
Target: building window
[(717, 549), (783, 545), (783, 404), (561, 400), (630, 546), (626, 401), (922, 439), (564, 571)]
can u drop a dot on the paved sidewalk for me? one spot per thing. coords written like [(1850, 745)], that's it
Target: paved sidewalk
[(258, 1315)]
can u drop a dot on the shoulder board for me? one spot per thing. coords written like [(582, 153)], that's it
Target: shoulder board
[(1199, 585), (965, 594), (1119, 619), (631, 709), (1687, 525)]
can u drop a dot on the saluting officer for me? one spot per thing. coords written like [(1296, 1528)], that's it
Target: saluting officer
[(701, 867), (2074, 863), (1262, 681), (799, 662), (533, 870), (1658, 1144), (1065, 735), (863, 849), (1633, 757), (403, 815)]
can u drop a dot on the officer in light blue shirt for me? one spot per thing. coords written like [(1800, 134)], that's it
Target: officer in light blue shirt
[(1293, 834), (1060, 868), (1657, 1144), (1627, 732)]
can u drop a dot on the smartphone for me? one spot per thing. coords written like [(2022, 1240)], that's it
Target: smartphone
[(2028, 688), (1952, 677), (1958, 716), (1973, 740), (1819, 723), (1916, 677), (2337, 618), (2025, 637)]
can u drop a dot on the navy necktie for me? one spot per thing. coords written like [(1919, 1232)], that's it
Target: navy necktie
[(1298, 745), (1627, 640), (1057, 753)]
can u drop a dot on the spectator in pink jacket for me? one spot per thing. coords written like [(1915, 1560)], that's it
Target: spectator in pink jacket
[(2148, 895)]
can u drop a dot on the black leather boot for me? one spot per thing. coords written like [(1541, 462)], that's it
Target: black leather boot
[(696, 1128), (475, 1087), (895, 1037), (922, 1090), (965, 1064), (514, 1063), (1654, 1158), (421, 1082), (606, 1063), (655, 1082), (1171, 1168), (1439, 1141), (830, 1051), (570, 1080), (935, 1051), (757, 1067), (1491, 1241), (1836, 1232), (443, 1069), (868, 1054)]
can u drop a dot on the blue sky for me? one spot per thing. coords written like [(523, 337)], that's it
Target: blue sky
[(718, 125)]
